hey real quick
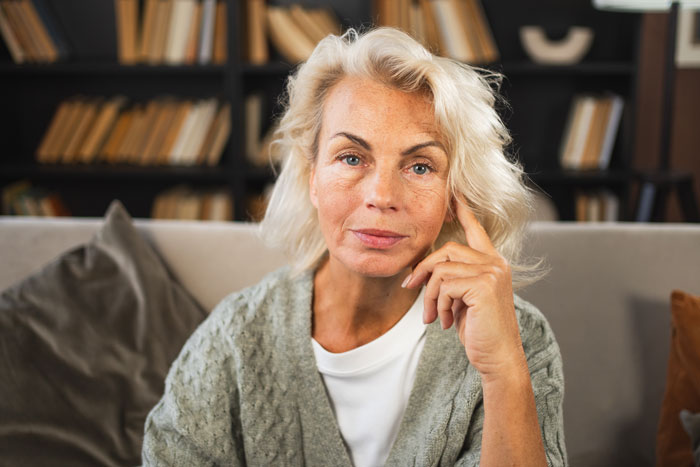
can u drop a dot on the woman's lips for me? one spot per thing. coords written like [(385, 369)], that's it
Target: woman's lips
[(380, 239)]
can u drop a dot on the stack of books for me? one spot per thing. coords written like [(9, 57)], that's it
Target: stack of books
[(258, 145), (183, 202), (30, 32), (23, 199), (601, 205), (173, 32), (163, 131), (590, 132), (293, 30), (452, 28)]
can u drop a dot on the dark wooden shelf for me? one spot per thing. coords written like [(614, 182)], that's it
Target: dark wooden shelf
[(106, 68), (539, 95), (260, 174), (278, 68), (117, 172), (582, 177), (584, 68)]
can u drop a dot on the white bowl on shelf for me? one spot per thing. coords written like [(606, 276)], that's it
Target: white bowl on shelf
[(567, 51)]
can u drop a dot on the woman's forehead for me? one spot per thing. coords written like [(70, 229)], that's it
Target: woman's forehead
[(367, 103)]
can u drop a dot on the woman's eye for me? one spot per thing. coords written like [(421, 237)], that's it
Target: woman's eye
[(352, 160), (420, 169)]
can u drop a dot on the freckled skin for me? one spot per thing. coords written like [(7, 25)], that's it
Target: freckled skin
[(378, 188)]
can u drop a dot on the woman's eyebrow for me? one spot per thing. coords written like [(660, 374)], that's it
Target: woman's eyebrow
[(356, 139), (415, 148)]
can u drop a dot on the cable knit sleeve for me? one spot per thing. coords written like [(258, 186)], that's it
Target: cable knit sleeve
[(195, 422), (546, 372)]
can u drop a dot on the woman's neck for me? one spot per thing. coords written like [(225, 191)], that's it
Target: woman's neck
[(350, 310)]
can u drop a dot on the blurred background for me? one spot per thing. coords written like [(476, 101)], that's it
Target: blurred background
[(169, 105)]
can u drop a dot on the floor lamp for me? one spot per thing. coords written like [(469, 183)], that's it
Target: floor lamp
[(658, 185)]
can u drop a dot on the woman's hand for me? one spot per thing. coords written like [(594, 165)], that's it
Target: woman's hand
[(472, 287)]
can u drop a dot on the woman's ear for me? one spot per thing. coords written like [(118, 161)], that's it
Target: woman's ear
[(312, 188), (451, 214)]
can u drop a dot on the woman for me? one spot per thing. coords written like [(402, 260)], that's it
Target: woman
[(394, 161)]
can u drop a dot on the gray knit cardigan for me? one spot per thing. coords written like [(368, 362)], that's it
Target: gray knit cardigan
[(245, 390)]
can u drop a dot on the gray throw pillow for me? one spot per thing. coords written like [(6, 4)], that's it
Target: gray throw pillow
[(85, 345), (691, 425)]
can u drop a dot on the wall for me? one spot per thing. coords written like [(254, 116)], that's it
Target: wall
[(685, 135)]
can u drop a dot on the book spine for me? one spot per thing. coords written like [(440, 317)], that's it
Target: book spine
[(206, 39)]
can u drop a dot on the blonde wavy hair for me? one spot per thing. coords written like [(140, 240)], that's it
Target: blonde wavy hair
[(463, 98)]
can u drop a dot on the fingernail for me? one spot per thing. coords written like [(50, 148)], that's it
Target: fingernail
[(406, 280)]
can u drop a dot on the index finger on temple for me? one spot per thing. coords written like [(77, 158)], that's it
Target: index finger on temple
[(475, 233)]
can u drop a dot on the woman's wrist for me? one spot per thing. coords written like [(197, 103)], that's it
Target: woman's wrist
[(512, 372)]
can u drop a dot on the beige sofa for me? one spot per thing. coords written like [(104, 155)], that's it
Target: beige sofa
[(607, 299)]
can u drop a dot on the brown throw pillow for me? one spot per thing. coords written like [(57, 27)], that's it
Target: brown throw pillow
[(85, 345), (673, 446)]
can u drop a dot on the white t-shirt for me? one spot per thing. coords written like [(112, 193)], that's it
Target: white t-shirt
[(369, 386)]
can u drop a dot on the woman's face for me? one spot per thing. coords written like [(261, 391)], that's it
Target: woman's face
[(380, 178)]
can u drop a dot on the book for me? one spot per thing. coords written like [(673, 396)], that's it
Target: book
[(221, 132), (193, 144), (611, 206), (21, 198), (184, 202), (182, 111), (104, 122), (327, 19), (306, 22), (206, 38), (285, 34), (49, 52), (579, 133), (257, 51), (594, 137), (486, 44), (590, 131), (193, 38), (159, 130), (163, 30), (110, 151), (452, 34), (147, 30), (126, 15), (599, 205), (142, 134), (20, 25), (220, 52), (253, 127), (645, 205), (178, 31), (125, 148), (613, 124), (46, 151), (177, 154), (163, 130), (11, 40), (78, 133), (432, 33), (418, 28), (57, 34)]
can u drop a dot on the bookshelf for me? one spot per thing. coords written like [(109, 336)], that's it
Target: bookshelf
[(539, 96)]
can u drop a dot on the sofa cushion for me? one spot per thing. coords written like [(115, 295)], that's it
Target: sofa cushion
[(691, 425), (673, 445), (85, 345)]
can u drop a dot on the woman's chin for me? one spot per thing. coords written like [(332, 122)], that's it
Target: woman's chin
[(377, 268)]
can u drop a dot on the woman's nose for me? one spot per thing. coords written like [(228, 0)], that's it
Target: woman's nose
[(382, 190)]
